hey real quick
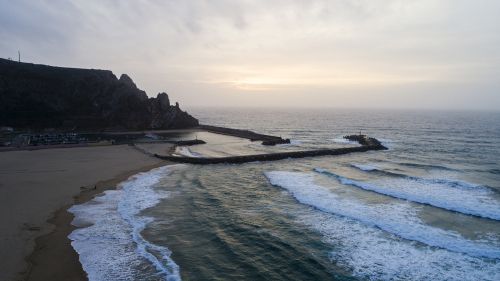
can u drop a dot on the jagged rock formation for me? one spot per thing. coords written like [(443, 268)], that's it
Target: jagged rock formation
[(41, 96)]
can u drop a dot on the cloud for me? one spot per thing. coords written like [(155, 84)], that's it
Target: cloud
[(221, 49)]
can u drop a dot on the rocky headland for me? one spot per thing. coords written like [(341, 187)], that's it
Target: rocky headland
[(40, 96)]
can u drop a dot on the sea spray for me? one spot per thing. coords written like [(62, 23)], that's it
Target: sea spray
[(185, 151)]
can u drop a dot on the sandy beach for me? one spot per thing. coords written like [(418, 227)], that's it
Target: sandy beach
[(36, 188)]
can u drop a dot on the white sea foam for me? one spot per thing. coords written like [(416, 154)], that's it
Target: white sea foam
[(398, 218), (185, 151), (372, 254), (451, 195), (342, 140), (112, 247), (387, 143)]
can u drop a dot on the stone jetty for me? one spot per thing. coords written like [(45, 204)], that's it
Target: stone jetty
[(364, 140), (366, 144), (246, 134)]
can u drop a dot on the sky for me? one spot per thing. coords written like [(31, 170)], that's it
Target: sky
[(426, 54)]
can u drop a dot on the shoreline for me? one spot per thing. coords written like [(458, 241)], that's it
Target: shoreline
[(53, 257), (36, 189), (39, 184)]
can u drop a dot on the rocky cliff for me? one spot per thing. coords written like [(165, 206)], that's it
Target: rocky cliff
[(41, 96)]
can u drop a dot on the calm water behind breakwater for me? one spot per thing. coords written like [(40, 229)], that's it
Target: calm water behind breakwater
[(427, 209)]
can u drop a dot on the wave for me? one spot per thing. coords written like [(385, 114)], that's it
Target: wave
[(185, 151), (342, 140), (476, 202), (387, 143), (370, 254), (110, 244), (495, 171), (451, 183), (425, 166), (399, 218), (364, 167)]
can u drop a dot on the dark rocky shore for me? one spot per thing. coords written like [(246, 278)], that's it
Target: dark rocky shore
[(40, 96)]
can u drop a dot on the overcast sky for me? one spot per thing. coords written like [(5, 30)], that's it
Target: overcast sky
[(433, 54)]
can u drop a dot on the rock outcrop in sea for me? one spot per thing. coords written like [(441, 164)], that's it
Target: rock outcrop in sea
[(42, 96)]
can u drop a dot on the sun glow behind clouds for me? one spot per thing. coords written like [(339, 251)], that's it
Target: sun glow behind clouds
[(401, 53), (257, 83), (269, 78)]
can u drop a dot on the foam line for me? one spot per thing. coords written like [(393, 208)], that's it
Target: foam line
[(112, 247)]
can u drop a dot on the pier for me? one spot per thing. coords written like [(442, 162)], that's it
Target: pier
[(366, 144)]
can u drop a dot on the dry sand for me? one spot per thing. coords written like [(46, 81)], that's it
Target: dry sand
[(36, 186)]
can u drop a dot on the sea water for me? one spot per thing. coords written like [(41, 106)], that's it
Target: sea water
[(426, 209)]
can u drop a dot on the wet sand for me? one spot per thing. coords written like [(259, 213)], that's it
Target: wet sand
[(36, 188)]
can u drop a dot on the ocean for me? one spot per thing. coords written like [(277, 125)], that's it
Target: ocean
[(426, 209)]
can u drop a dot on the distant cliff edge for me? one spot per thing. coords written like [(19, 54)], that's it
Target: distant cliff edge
[(42, 96)]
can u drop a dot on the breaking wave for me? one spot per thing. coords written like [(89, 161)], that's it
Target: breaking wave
[(467, 199), (371, 254), (398, 218), (451, 183), (110, 244)]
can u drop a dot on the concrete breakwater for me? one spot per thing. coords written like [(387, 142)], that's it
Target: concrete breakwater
[(246, 134), (175, 142), (366, 145)]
